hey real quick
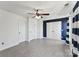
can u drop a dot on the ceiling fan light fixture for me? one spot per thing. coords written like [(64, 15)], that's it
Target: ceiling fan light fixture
[(38, 17)]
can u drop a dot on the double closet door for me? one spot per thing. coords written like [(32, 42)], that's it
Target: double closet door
[(54, 30)]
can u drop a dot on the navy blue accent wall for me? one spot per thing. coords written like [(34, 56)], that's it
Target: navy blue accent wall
[(64, 29), (44, 29)]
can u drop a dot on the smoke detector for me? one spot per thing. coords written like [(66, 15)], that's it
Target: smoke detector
[(66, 4)]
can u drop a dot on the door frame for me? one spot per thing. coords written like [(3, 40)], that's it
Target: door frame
[(47, 21)]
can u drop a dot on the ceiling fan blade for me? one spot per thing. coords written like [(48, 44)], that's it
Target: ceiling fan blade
[(45, 14), (31, 13)]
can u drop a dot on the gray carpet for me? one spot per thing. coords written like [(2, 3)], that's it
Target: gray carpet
[(38, 48)]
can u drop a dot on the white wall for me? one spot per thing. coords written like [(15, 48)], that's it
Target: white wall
[(9, 29), (70, 32), (15, 29)]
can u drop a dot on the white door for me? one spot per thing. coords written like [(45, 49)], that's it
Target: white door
[(32, 29), (21, 30), (54, 30)]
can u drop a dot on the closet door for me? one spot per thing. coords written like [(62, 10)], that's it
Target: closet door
[(54, 30), (32, 29), (21, 29)]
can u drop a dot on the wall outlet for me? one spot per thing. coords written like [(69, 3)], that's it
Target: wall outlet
[(2, 43)]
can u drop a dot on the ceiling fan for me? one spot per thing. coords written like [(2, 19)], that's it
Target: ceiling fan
[(37, 14)]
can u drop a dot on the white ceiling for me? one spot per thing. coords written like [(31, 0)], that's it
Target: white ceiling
[(43, 4), (23, 7)]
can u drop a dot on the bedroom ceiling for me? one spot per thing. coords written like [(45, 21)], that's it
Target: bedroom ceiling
[(23, 7)]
